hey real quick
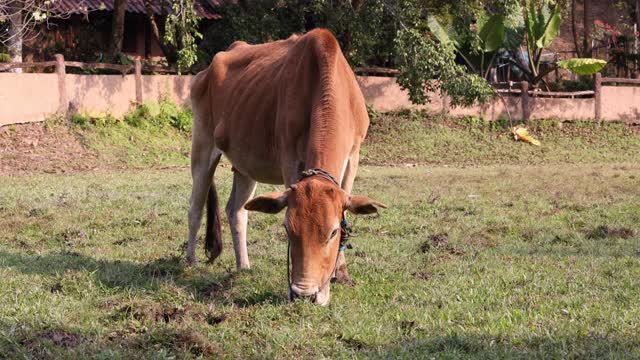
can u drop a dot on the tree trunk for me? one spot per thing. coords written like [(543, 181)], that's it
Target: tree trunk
[(155, 30), (117, 27), (638, 14), (16, 30), (587, 29), (574, 29)]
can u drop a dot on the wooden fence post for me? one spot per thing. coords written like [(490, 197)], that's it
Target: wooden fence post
[(524, 86), (138, 77), (63, 101), (597, 89)]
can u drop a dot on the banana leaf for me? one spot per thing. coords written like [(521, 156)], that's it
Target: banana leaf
[(582, 66)]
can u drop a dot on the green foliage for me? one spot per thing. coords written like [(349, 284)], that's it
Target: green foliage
[(365, 36), (86, 120), (429, 67), (491, 33), (149, 115), (81, 120), (583, 66), (5, 58), (182, 31), (163, 114), (551, 28)]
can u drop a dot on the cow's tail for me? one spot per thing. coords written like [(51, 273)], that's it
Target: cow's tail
[(213, 236)]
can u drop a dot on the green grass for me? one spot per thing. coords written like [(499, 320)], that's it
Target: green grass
[(490, 249), (420, 138), (538, 262), (148, 138), (123, 145)]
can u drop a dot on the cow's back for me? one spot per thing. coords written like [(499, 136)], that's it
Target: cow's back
[(261, 100)]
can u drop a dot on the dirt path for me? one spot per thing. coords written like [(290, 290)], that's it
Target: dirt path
[(40, 147)]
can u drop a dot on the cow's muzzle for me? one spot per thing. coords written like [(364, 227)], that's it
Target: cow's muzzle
[(313, 294)]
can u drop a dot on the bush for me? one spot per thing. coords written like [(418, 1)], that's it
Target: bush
[(149, 115), (81, 120), (160, 115), (84, 120), (5, 58)]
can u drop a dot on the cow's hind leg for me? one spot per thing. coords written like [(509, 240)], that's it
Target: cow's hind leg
[(342, 275), (204, 160), (242, 191)]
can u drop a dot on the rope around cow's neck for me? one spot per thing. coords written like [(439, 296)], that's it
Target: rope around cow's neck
[(345, 232)]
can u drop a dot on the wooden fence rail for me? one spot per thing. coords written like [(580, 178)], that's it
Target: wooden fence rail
[(124, 69)]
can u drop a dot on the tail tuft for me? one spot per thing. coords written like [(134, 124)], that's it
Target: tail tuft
[(213, 237)]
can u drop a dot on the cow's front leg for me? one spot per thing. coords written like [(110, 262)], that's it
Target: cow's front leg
[(342, 275), (242, 190)]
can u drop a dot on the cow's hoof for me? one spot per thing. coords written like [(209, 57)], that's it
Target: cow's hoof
[(343, 278), (191, 260)]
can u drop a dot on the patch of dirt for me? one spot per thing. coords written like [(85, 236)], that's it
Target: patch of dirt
[(38, 147), (58, 337), (422, 275), (163, 267), (453, 250), (439, 240), (56, 288), (147, 313), (353, 343), (361, 254), (483, 239), (604, 232), (216, 319), (180, 340), (218, 289)]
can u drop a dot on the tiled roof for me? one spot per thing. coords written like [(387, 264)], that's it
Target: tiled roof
[(204, 8)]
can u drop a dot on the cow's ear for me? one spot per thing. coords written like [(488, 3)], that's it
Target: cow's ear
[(362, 205), (270, 203)]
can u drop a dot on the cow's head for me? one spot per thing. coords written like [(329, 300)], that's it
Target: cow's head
[(315, 208)]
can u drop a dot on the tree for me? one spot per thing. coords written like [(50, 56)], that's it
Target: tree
[(180, 32), (22, 19), (117, 27), (584, 49), (586, 40), (14, 16)]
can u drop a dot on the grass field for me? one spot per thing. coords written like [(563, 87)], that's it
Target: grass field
[(534, 257)]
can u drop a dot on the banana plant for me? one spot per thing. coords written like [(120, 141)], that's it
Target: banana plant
[(542, 26), (535, 29), (490, 35)]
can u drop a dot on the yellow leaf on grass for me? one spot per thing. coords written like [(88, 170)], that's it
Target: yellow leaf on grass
[(522, 134)]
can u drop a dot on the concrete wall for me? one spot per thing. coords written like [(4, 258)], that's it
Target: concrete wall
[(154, 87), (621, 103), (27, 97), (101, 94), (33, 97)]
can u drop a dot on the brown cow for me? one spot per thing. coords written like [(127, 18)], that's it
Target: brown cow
[(275, 110)]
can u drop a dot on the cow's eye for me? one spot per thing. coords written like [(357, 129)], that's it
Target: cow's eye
[(333, 233)]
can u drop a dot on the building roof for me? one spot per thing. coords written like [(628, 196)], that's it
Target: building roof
[(204, 8)]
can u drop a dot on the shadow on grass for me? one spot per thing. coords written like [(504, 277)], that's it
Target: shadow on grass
[(207, 287)]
